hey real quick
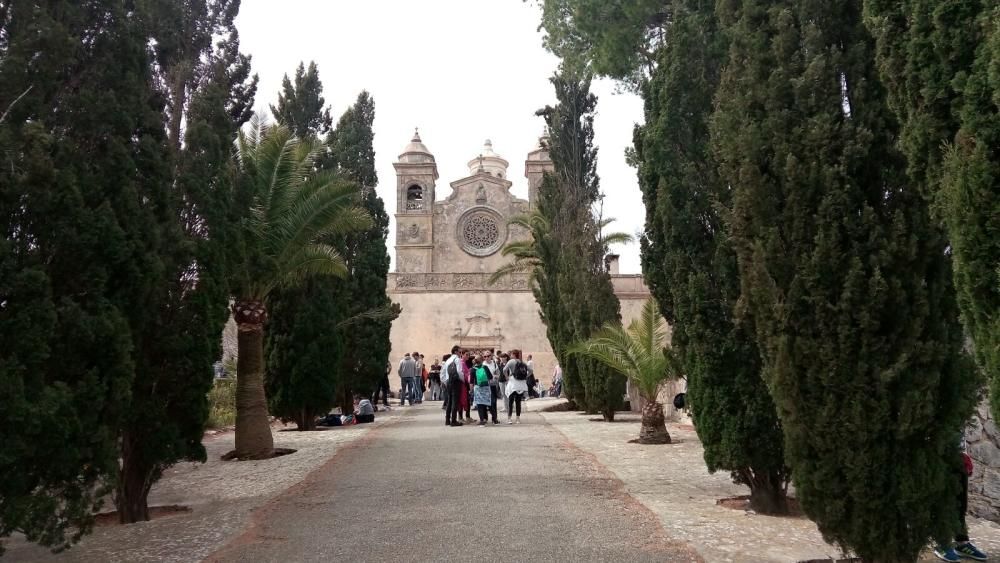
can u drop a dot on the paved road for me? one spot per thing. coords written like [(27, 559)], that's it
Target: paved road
[(417, 490)]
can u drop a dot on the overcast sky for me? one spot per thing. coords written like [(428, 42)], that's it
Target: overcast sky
[(461, 70)]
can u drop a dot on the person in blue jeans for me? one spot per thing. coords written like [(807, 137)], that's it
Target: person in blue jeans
[(962, 548), (408, 379)]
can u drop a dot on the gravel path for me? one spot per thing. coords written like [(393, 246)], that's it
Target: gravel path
[(672, 481), (221, 494), (419, 491)]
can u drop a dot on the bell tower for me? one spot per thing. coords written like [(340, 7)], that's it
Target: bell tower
[(536, 165), (416, 174)]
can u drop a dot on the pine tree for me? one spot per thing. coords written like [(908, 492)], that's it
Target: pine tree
[(843, 278), (88, 219), (364, 297), (301, 106), (690, 265), (304, 347), (566, 199), (938, 60)]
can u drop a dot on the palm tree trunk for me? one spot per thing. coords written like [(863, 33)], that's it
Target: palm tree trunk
[(654, 426), (253, 428)]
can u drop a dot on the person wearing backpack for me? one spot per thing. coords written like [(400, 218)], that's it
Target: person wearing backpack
[(502, 377), (517, 385), (451, 378), (481, 395), (490, 364)]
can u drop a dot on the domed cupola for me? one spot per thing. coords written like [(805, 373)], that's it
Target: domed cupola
[(489, 162), (416, 151)]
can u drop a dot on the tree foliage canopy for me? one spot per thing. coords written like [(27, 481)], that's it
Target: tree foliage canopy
[(844, 277), (939, 62)]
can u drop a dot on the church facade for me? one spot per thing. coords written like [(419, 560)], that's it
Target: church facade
[(447, 248)]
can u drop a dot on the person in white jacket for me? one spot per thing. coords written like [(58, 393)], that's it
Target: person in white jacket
[(517, 385)]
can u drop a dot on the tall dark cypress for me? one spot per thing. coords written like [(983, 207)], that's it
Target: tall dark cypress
[(566, 199), (938, 59), (87, 218), (303, 344), (169, 405), (366, 338), (690, 264), (843, 277)]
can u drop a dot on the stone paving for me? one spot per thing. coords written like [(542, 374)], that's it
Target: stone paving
[(671, 480), (221, 494)]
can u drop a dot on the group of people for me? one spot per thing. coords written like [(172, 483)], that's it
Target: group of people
[(465, 379), (478, 380)]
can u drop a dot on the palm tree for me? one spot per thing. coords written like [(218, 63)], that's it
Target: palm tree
[(290, 207), (640, 353), (527, 253)]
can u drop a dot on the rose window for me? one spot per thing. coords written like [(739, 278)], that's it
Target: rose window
[(481, 232)]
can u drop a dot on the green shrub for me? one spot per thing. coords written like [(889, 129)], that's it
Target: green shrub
[(222, 404)]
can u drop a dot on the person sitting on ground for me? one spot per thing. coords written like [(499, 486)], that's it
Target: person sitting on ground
[(364, 412), (532, 389)]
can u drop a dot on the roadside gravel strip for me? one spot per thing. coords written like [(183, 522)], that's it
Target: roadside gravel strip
[(222, 496)]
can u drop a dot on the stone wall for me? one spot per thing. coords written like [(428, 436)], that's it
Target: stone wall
[(443, 309), (983, 442)]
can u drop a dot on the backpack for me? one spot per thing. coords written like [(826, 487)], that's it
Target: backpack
[(520, 371), (450, 372), (482, 377)]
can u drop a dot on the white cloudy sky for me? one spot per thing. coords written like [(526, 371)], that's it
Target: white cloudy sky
[(460, 70)]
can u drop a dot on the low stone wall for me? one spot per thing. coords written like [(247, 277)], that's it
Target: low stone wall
[(983, 440)]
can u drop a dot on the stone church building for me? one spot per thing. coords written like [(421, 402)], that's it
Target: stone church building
[(446, 248)]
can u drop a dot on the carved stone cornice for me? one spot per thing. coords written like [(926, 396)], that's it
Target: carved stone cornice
[(627, 286), (473, 281)]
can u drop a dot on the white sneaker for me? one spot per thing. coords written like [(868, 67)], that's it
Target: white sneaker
[(509, 421), (518, 421)]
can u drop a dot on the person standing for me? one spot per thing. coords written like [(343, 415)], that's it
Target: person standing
[(517, 385), (383, 387), (481, 395), (962, 548), (502, 380), (451, 378), (418, 389), (465, 401), (491, 365), (434, 381), (407, 378), (557, 380)]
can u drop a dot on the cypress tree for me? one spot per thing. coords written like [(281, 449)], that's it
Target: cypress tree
[(169, 407), (843, 277), (363, 294), (566, 197), (303, 347), (935, 58), (301, 106), (690, 265), (672, 56), (87, 217)]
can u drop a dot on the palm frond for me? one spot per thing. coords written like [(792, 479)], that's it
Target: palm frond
[(387, 313), (511, 269), (615, 238), (311, 260)]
